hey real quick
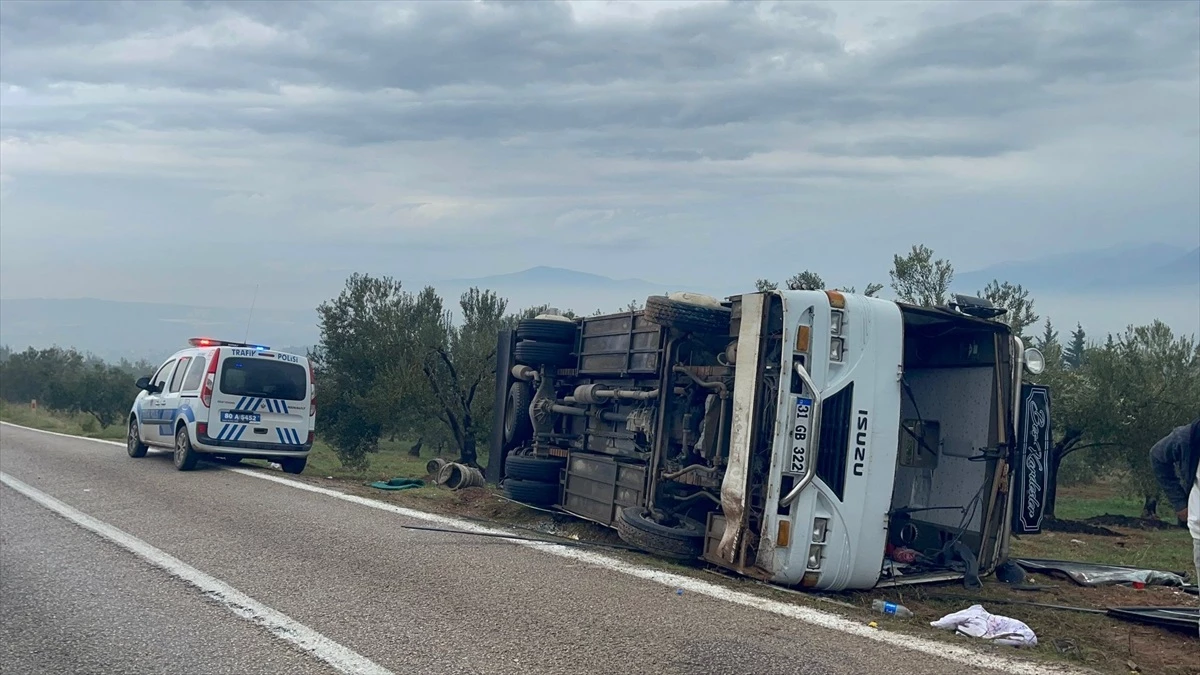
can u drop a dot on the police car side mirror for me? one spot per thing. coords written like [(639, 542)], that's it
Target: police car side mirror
[(144, 383)]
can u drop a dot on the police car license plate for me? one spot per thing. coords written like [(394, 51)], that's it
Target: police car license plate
[(801, 431), (244, 418)]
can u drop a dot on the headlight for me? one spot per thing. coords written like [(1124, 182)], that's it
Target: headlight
[(819, 526), (836, 347), (1034, 361), (814, 557)]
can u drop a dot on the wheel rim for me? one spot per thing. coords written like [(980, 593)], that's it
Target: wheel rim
[(510, 419), (132, 440), (180, 449)]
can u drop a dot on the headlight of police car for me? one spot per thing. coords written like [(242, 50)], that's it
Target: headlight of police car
[(1034, 361)]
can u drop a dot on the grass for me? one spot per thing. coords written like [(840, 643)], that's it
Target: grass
[(77, 424), (391, 461), (1165, 549)]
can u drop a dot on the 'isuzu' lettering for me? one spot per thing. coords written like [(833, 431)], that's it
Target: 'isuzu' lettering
[(860, 444)]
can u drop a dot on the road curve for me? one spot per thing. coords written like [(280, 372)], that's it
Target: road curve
[(402, 601)]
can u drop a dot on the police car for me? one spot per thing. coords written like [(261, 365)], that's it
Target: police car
[(227, 400)]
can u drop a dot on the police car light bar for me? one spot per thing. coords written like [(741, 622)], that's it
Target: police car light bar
[(209, 342)]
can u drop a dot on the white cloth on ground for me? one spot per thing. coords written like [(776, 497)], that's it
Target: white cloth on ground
[(975, 621)]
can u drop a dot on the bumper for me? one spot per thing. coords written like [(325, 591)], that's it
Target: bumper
[(208, 444)]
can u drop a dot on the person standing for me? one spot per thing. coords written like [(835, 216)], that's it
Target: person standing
[(1180, 451)]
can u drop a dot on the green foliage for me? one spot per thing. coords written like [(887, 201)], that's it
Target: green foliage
[(1122, 399), (870, 291), (810, 281), (360, 364), (1076, 350), (919, 279), (1016, 300), (393, 363), (806, 281), (457, 362), (1050, 346), (69, 381)]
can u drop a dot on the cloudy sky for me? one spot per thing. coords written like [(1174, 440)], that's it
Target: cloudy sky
[(191, 150)]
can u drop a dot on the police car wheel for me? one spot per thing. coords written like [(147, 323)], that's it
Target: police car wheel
[(293, 465), (186, 456), (133, 444)]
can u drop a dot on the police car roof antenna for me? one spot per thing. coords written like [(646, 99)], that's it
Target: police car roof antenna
[(251, 317)]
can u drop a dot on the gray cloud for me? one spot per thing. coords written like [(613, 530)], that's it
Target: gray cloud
[(500, 135)]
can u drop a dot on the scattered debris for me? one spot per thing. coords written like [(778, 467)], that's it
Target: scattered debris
[(1184, 618), (1094, 574), (458, 476), (1010, 573), (399, 484), (975, 621)]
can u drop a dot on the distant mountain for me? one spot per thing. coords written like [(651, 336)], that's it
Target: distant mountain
[(1116, 269), (134, 330)]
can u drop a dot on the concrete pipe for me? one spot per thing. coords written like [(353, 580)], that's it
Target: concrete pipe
[(434, 467), (458, 476)]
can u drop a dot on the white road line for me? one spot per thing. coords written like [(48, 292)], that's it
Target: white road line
[(809, 615), (343, 659)]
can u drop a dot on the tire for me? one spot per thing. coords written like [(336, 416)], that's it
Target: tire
[(683, 542), (687, 317), (185, 455), (547, 330), (133, 442), (532, 353), (539, 469), (517, 425), (531, 492), (293, 464)]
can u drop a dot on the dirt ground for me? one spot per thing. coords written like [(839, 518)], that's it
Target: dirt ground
[(1094, 641)]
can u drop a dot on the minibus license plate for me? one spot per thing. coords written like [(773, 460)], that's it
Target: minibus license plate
[(801, 432), (244, 418)]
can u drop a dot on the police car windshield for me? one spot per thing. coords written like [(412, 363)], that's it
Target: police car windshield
[(257, 376)]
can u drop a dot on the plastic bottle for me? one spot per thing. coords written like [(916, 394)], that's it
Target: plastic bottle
[(891, 608)]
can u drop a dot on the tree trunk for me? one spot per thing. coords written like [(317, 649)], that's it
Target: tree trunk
[(1057, 454), (469, 456), (415, 451), (1056, 458)]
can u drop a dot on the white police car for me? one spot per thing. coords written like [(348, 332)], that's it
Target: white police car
[(227, 400)]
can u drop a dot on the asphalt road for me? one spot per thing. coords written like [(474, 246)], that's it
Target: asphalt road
[(72, 601)]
